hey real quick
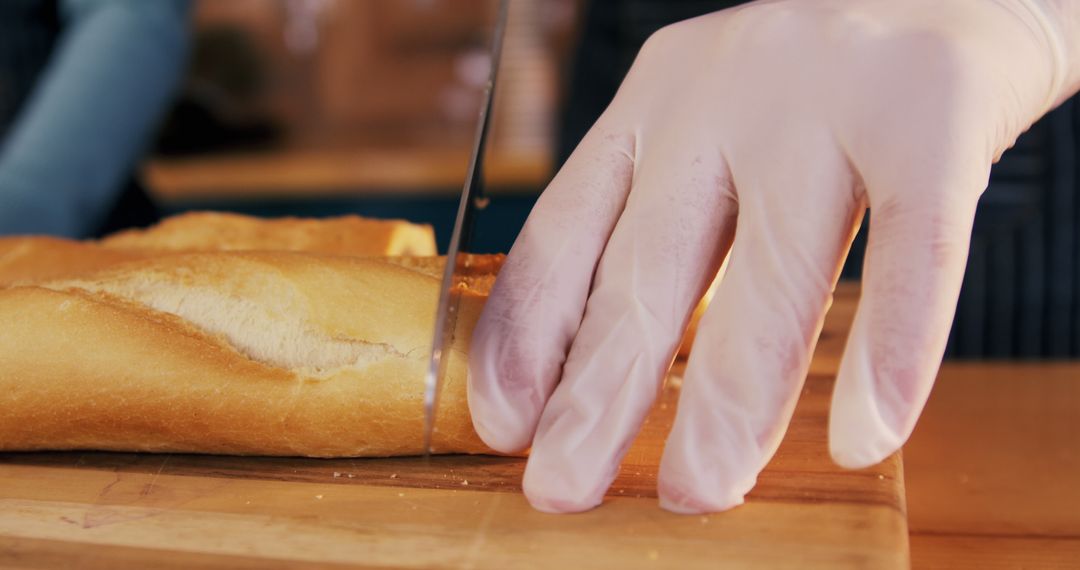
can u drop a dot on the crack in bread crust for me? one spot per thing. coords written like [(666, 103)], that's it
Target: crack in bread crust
[(265, 334)]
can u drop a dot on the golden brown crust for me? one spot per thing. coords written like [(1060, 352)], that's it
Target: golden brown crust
[(31, 259), (218, 231), (238, 353)]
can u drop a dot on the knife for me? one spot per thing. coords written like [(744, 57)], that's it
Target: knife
[(472, 200)]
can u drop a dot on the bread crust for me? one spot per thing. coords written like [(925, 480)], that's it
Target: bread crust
[(220, 231), (30, 259), (268, 353)]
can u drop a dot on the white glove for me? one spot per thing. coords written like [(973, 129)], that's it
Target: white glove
[(785, 119)]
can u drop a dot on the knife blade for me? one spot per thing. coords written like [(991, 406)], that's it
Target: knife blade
[(472, 200)]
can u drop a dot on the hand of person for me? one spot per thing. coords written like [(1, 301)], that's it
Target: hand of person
[(765, 130)]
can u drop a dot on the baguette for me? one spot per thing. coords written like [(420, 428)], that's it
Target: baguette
[(266, 353), (219, 231), (29, 259)]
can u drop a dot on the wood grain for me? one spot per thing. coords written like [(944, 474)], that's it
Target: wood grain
[(992, 468), (417, 528), (35, 553), (996, 452), (961, 552)]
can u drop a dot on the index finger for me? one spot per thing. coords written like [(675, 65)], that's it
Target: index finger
[(536, 306)]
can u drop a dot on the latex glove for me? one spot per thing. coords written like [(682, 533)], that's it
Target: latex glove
[(784, 119)]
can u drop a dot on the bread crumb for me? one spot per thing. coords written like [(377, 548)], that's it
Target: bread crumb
[(465, 483), (247, 502), (318, 496), (337, 473), (401, 494), (350, 475), (704, 520), (393, 475), (881, 477)]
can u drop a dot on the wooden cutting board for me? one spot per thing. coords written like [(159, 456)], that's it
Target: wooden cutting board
[(109, 510)]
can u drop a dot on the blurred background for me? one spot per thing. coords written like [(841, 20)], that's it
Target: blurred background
[(320, 107), (327, 107)]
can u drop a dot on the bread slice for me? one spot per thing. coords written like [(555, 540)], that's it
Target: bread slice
[(218, 231), (235, 353)]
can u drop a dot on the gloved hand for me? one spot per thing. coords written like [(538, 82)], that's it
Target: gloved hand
[(765, 129)]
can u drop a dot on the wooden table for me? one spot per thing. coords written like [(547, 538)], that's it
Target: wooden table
[(102, 510), (993, 468), (340, 171)]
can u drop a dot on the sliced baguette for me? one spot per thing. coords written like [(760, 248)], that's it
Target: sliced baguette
[(234, 353)]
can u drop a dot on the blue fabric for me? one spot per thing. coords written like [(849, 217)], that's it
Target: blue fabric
[(91, 114)]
